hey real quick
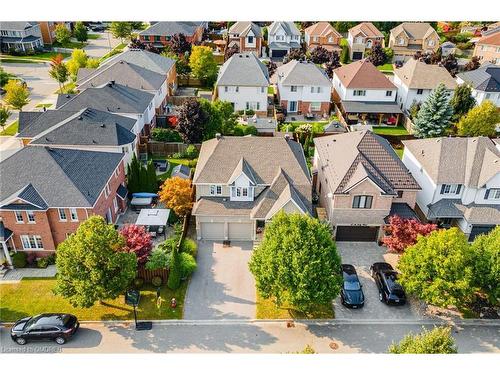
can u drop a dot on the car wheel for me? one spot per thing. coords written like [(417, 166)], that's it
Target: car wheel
[(60, 340), (380, 297), (21, 341)]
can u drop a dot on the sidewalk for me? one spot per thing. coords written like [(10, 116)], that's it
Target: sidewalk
[(16, 275)]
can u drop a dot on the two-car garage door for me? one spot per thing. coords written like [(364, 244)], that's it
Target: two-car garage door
[(356, 233), (241, 231)]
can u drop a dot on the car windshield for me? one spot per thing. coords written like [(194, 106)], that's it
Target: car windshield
[(351, 285)]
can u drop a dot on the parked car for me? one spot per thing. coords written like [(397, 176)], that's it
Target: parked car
[(351, 294), (57, 327), (389, 290)]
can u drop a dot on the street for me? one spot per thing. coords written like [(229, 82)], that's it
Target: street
[(255, 337)]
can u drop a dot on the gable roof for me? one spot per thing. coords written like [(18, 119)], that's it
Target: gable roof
[(146, 59), (362, 74), (419, 75), (243, 27), (56, 177), (350, 158), (366, 28), (172, 28), (63, 99), (17, 25), (414, 30), (322, 29), (492, 39), (485, 78), (469, 161), (302, 73), (288, 26), (243, 69), (242, 168)]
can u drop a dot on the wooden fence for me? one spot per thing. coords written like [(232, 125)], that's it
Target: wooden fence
[(147, 275), (187, 80), (168, 148)]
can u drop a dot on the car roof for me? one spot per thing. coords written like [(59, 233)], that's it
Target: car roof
[(348, 268), (382, 266), (51, 319)]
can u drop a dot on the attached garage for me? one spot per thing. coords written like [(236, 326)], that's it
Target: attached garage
[(356, 233), (212, 231), (480, 229), (357, 55), (278, 52), (240, 231)]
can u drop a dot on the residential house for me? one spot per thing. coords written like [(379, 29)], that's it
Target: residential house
[(361, 38), (460, 180), (128, 75), (45, 193), (409, 38), (48, 30), (159, 34), (303, 88), (363, 94), (415, 80), (243, 81), (242, 182), (361, 182), (20, 36), (322, 34), (283, 36), (488, 48), (87, 129), (484, 81), (247, 36)]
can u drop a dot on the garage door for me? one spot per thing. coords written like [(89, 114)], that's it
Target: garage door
[(278, 52), (480, 229), (240, 231), (357, 55), (212, 231), (365, 234)]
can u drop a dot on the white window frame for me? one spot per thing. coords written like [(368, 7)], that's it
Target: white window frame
[(315, 106), (362, 204), (359, 93), (19, 216), (73, 214), (62, 214), (293, 88), (388, 93), (215, 190), (107, 190), (115, 204), (450, 189), (494, 194), (31, 215), (420, 91), (31, 242)]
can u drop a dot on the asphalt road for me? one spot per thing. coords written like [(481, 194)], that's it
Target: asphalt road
[(253, 337)]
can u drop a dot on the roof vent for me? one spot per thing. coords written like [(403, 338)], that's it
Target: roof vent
[(111, 83), (68, 96), (80, 117), (103, 125)]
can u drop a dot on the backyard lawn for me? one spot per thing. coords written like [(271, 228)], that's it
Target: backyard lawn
[(267, 309), (399, 151), (171, 164), (386, 67), (389, 130), (11, 129), (34, 296)]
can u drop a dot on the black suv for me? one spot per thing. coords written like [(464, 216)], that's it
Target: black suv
[(389, 290), (57, 327), (351, 294)]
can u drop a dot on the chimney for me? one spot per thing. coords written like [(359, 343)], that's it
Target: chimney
[(218, 136)]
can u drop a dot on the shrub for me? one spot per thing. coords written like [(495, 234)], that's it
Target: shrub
[(19, 259), (42, 262), (191, 152), (250, 130), (178, 155), (31, 259), (238, 131), (192, 163), (138, 282), (157, 281), (165, 135), (187, 265), (189, 246), (52, 258), (436, 341)]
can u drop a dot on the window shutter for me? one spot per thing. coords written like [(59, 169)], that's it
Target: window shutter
[(459, 188), (368, 203), (442, 188), (487, 193)]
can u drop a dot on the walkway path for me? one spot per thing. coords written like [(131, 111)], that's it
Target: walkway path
[(16, 275)]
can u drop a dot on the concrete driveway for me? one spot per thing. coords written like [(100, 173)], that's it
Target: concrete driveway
[(97, 48), (362, 255), (222, 287)]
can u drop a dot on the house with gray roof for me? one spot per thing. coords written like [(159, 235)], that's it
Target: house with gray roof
[(460, 180), (484, 81), (303, 88), (283, 36), (361, 182), (159, 34), (243, 81), (45, 193), (242, 182), (245, 35), (21, 36)]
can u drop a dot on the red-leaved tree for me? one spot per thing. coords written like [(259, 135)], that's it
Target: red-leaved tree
[(404, 233), (138, 241)]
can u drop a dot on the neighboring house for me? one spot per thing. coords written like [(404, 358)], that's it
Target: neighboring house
[(243, 81), (114, 98), (48, 30), (448, 48), (20, 36), (45, 193), (247, 36), (322, 34), (148, 60), (410, 37), (87, 129), (361, 182), (129, 75), (415, 81), (159, 34), (242, 182), (283, 36), (484, 81), (460, 180), (488, 48), (304, 88), (364, 94), (362, 37)]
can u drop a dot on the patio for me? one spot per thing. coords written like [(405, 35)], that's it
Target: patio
[(372, 113)]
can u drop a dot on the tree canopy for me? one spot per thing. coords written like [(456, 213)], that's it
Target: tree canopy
[(58, 70), (4, 115), (404, 233), (480, 121), (63, 35), (486, 248), (436, 341), (80, 32), (137, 241), (203, 65), (179, 44), (121, 30), (462, 101), (192, 120), (434, 115), (16, 94), (176, 194)]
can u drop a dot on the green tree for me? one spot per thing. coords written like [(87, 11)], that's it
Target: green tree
[(226, 112), (174, 274), (213, 123), (439, 268), (133, 169), (297, 262), (91, 264), (92, 63), (63, 35), (121, 30), (434, 115), (343, 26), (80, 32), (435, 341), (143, 179), (486, 250), (203, 65), (480, 121), (4, 77), (462, 101), (16, 94), (152, 181), (58, 70), (78, 60), (4, 115), (344, 55)]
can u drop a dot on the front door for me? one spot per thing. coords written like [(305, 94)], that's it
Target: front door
[(292, 106)]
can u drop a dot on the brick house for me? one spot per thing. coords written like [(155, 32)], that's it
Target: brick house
[(409, 38), (247, 36), (48, 30), (45, 194), (322, 34), (159, 34)]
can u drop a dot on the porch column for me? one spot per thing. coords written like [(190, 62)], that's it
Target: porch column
[(6, 252), (397, 119), (380, 117)]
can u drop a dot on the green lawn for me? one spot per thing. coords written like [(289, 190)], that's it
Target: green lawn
[(93, 36), (389, 130), (34, 296), (267, 309), (71, 44), (118, 49), (43, 105), (171, 164), (11, 129), (386, 67), (46, 56), (16, 61), (399, 151), (68, 88)]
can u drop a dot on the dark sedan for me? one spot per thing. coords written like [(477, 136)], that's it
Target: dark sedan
[(389, 290), (56, 327), (351, 294)]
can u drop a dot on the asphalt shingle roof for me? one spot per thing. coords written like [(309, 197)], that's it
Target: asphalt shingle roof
[(485, 78), (148, 60), (362, 74), (301, 73), (243, 69), (288, 26), (419, 75), (414, 30), (243, 27), (172, 28)]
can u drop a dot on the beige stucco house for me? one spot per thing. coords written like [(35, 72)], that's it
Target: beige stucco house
[(362, 37), (410, 37), (488, 48)]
